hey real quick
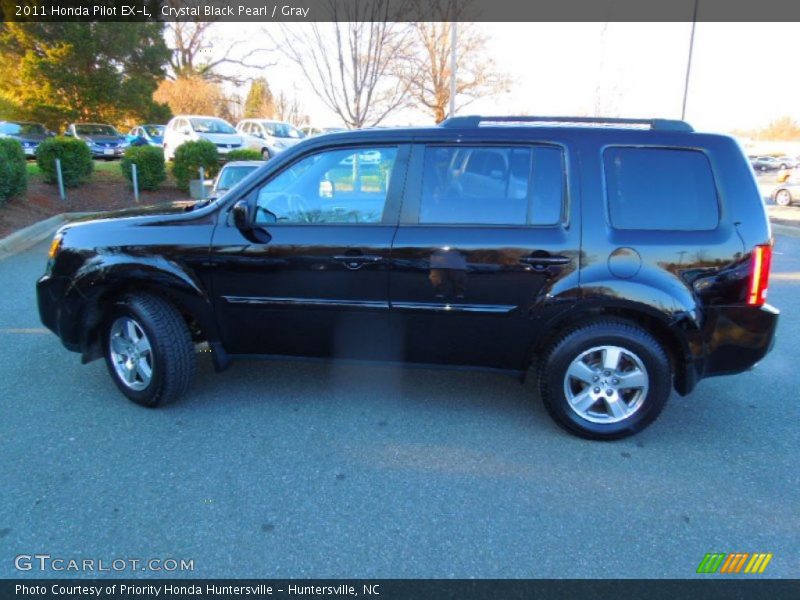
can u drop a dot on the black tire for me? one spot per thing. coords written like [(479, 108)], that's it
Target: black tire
[(570, 346), (265, 154), (172, 351)]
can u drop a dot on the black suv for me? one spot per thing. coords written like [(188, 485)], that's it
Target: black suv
[(619, 258)]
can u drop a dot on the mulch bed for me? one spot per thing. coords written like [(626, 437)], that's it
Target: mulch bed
[(101, 194)]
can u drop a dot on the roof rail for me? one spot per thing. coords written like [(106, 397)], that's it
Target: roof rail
[(659, 124)]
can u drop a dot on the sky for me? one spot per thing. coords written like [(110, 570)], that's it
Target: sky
[(743, 75)]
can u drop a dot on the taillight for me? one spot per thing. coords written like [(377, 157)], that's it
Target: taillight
[(760, 261)]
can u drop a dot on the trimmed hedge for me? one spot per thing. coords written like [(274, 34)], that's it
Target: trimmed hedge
[(246, 154), (189, 157), (75, 156), (150, 167), (13, 170)]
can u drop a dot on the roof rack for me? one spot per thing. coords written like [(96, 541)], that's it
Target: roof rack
[(658, 124)]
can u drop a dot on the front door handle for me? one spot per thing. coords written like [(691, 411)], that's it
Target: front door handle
[(356, 261), (545, 261)]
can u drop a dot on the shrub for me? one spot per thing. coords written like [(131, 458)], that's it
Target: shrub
[(189, 157), (75, 156), (13, 170), (246, 154), (150, 167)]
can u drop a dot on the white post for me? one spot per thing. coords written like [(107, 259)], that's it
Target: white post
[(60, 178), (135, 177), (202, 184)]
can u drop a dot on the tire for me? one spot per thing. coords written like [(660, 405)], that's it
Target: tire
[(783, 198), (618, 410), (167, 352), (265, 154)]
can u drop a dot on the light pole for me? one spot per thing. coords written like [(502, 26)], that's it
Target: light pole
[(453, 57), (689, 61)]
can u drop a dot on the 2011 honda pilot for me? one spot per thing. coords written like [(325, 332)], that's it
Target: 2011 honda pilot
[(617, 259)]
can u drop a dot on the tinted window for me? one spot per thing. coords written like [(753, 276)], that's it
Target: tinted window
[(338, 186), (492, 185), (654, 188)]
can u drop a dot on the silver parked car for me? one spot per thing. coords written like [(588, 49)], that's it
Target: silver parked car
[(786, 193)]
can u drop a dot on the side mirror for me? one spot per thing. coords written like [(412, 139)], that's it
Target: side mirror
[(241, 215)]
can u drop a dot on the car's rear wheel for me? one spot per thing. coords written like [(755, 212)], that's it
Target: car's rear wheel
[(605, 380), (148, 350), (783, 198)]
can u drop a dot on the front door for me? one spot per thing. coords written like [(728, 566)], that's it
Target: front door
[(483, 243), (314, 281)]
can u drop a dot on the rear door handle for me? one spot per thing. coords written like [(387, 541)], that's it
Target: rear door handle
[(356, 261), (545, 261)]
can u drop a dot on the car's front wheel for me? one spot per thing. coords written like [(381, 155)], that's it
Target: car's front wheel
[(605, 380), (148, 350), (783, 198)]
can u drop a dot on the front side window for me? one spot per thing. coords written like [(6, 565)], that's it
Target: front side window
[(335, 186), (491, 185), (660, 189)]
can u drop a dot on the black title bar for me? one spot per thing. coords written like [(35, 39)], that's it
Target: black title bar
[(400, 10)]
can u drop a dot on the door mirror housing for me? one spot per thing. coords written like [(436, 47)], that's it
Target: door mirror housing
[(241, 215)]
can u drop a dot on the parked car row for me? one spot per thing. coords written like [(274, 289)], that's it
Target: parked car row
[(268, 137), (772, 163)]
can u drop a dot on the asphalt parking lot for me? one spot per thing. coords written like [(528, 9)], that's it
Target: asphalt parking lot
[(284, 469)]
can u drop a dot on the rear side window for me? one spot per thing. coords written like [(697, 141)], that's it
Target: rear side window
[(659, 188), (491, 185)]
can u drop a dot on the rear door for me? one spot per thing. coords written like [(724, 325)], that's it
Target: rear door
[(484, 248)]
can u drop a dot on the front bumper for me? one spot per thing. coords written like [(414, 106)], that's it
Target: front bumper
[(107, 152), (55, 313)]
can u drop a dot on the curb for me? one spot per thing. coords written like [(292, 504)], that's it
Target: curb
[(33, 234)]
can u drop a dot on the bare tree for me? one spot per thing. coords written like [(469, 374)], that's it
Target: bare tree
[(429, 73), (197, 50), (288, 109), (353, 64)]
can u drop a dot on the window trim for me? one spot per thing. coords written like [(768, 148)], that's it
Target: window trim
[(607, 198), (394, 193), (412, 198)]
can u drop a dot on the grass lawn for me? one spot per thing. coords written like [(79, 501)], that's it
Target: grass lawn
[(104, 170)]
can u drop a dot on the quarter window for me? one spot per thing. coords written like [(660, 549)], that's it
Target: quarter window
[(492, 185), (660, 189), (337, 186)]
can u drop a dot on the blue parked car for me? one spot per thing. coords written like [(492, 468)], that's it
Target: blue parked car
[(30, 135), (146, 135), (103, 140)]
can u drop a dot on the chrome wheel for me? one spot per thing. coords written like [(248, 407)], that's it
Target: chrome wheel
[(606, 384), (131, 353), (783, 198)]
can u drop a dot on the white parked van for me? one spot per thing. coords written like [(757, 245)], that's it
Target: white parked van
[(192, 128), (269, 137)]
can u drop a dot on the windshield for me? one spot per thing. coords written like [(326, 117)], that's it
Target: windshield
[(22, 129), (95, 130), (154, 130), (211, 125), (282, 130), (230, 176)]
